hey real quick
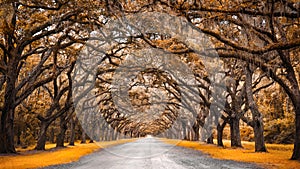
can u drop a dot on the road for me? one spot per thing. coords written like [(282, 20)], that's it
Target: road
[(150, 153)]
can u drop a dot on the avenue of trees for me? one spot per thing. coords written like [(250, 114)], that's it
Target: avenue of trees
[(258, 43)]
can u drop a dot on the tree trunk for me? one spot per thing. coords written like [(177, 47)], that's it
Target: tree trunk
[(83, 137), (19, 132), (220, 129), (72, 135), (7, 133), (115, 135), (112, 137), (259, 136), (210, 139), (42, 136), (196, 131), (105, 135), (61, 136), (258, 126), (7, 113), (235, 135), (184, 131), (52, 135), (296, 151), (295, 98)]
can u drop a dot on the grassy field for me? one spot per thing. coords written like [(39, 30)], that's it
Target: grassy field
[(28, 158), (277, 156)]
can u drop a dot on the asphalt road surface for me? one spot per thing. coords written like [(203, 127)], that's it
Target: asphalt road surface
[(150, 153)]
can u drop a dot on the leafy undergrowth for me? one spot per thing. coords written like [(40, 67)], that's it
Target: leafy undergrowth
[(35, 159), (277, 156)]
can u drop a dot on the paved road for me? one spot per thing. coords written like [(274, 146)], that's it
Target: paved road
[(150, 153)]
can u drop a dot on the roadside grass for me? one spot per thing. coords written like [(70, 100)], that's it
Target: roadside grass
[(29, 158), (277, 156)]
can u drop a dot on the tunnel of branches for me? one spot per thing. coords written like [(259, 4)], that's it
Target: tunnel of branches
[(153, 102)]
